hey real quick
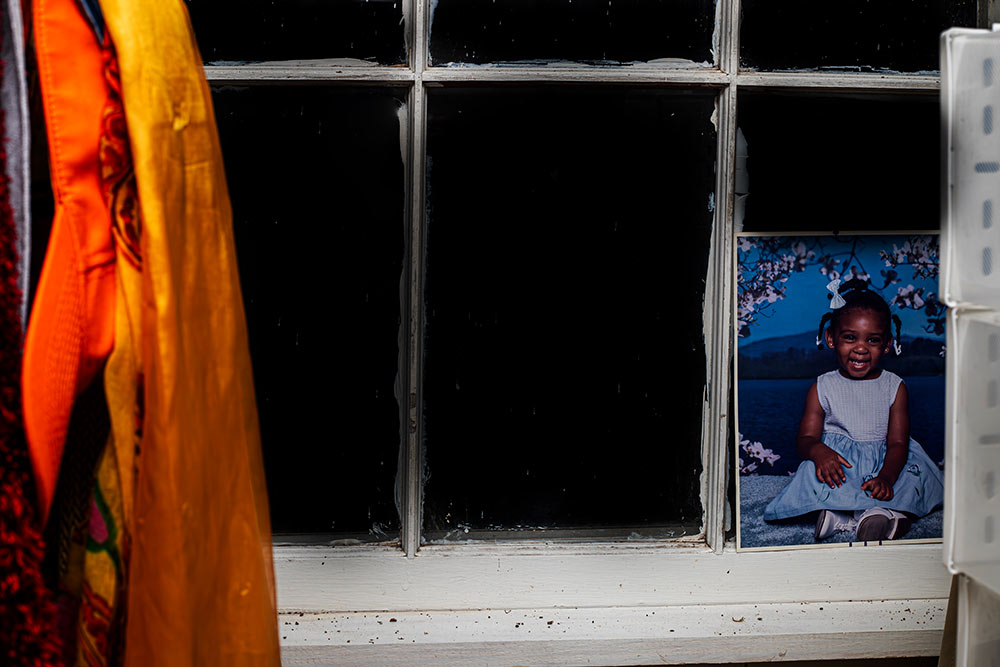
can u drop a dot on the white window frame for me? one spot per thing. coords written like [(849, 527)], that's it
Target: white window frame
[(692, 599)]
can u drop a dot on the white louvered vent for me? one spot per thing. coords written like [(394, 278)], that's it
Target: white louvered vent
[(970, 99)]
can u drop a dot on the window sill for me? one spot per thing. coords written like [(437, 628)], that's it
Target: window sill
[(618, 636), (608, 603)]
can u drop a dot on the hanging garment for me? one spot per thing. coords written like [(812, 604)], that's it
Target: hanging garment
[(27, 612), (103, 594), (86, 542), (200, 579), (67, 531), (102, 615), (17, 144), (71, 327)]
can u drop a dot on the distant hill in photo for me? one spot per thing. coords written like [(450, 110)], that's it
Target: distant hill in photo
[(796, 356)]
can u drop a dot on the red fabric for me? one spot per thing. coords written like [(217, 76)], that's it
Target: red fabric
[(27, 611), (71, 329)]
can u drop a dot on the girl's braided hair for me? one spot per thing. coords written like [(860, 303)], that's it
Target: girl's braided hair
[(858, 296)]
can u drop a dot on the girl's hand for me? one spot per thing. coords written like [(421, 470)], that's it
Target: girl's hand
[(829, 465), (879, 488)]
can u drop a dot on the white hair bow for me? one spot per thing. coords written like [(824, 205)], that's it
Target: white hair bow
[(837, 301)]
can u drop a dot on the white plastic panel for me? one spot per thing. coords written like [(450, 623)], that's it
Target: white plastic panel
[(970, 80), (978, 625), (972, 468)]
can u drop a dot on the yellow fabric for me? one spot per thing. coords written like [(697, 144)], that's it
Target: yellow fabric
[(101, 620), (201, 583), (98, 635), (123, 380)]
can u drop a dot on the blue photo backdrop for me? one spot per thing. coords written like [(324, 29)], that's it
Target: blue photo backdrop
[(781, 296)]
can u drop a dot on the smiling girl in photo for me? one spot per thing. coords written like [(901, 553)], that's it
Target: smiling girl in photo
[(860, 469)]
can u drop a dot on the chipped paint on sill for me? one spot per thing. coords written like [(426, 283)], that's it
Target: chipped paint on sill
[(658, 63), (780, 623), (315, 62), (533, 535), (838, 69)]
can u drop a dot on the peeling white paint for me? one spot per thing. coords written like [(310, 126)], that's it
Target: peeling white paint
[(402, 115), (675, 63), (853, 69), (656, 63), (430, 25), (576, 624), (741, 179), (888, 600), (716, 34), (312, 63), (739, 211), (407, 4), (546, 574), (625, 636)]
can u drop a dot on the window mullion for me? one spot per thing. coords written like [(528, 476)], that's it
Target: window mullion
[(728, 12), (718, 298), (717, 322), (327, 74), (413, 443)]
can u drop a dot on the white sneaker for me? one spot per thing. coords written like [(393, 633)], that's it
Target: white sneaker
[(879, 523), (831, 521)]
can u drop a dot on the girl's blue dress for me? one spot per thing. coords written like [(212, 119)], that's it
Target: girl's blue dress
[(855, 426)]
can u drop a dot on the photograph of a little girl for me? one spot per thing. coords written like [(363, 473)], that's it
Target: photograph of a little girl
[(839, 390)]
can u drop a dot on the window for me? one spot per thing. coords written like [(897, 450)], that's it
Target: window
[(516, 348), (561, 386), (486, 257), (318, 197)]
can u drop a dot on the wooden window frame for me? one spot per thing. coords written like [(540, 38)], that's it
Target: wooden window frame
[(692, 599)]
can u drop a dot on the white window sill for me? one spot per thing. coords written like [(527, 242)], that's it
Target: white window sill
[(609, 604)]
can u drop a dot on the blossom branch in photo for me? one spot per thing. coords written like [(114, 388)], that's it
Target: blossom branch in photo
[(764, 265), (921, 254), (757, 454)]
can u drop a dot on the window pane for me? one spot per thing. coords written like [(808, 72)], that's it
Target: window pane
[(263, 30), (849, 34), (854, 164), (597, 31), (567, 246), (316, 182)]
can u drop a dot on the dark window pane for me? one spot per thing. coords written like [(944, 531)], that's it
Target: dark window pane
[(316, 182), (263, 30), (840, 163), (600, 31), (567, 245), (848, 34)]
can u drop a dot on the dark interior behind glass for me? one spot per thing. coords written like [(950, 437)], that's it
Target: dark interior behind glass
[(567, 246), (597, 31), (857, 35), (841, 163), (263, 30), (317, 182)]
